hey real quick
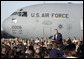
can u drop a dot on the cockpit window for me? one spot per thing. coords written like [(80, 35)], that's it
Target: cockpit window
[(23, 14), (21, 9), (15, 13), (19, 13)]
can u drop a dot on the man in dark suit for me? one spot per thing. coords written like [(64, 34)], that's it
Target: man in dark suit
[(57, 37), (55, 52)]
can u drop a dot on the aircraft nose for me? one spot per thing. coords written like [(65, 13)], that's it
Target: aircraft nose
[(6, 25)]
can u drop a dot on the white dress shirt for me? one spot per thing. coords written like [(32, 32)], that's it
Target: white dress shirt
[(56, 36)]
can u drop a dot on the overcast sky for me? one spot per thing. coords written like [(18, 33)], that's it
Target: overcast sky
[(8, 7)]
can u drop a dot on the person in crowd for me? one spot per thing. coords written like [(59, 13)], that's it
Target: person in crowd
[(28, 43), (29, 53), (32, 41), (69, 41), (75, 40), (70, 51), (55, 52), (80, 49), (37, 53), (3, 52), (37, 40), (64, 42), (49, 48), (51, 39)]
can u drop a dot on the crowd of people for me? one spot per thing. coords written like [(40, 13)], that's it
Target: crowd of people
[(41, 48)]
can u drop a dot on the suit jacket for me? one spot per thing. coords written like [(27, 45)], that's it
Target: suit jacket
[(55, 53), (59, 37)]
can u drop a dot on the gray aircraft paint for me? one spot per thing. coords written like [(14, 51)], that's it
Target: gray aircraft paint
[(35, 25)]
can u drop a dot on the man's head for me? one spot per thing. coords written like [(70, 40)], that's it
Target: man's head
[(3, 50), (70, 50), (49, 46), (28, 52), (55, 31), (54, 46), (37, 50), (37, 38), (74, 38)]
